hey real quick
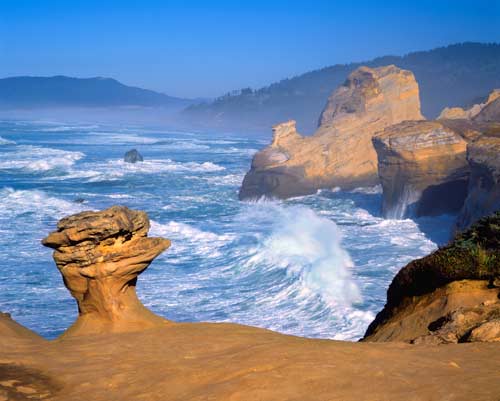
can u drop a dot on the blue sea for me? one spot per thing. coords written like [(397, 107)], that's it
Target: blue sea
[(314, 266)]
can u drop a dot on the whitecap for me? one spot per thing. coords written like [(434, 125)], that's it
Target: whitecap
[(4, 141), (34, 158), (15, 203)]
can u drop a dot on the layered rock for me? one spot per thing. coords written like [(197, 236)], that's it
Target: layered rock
[(452, 113), (422, 167), (100, 255), (484, 185), (451, 295), (340, 153)]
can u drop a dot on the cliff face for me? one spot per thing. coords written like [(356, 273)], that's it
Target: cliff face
[(100, 255), (452, 295), (422, 167), (484, 184), (340, 153)]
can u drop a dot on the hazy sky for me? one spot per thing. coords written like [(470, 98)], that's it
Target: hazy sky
[(205, 48)]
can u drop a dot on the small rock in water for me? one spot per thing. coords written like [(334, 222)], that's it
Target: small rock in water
[(133, 156), (79, 200)]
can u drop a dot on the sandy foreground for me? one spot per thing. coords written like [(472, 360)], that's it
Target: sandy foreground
[(201, 361)]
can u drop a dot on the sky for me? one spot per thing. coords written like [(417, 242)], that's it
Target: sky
[(207, 48)]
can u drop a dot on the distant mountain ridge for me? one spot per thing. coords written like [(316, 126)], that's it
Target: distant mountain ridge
[(63, 91), (456, 75)]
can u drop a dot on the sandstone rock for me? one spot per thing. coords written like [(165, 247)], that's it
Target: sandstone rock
[(490, 110), (133, 156), (451, 113), (100, 255), (340, 153), (422, 167), (484, 185), (10, 329), (486, 332), (445, 294)]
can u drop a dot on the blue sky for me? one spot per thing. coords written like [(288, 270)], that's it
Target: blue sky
[(201, 48)]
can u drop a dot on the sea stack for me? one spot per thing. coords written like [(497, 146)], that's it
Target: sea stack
[(340, 153), (100, 255), (133, 156)]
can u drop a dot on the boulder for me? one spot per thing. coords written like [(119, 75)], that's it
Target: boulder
[(448, 294), (133, 156), (100, 255), (340, 153), (422, 168)]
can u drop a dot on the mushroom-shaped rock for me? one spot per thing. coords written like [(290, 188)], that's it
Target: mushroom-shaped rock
[(100, 255), (133, 156)]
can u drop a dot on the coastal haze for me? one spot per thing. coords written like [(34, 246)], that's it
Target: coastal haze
[(221, 201)]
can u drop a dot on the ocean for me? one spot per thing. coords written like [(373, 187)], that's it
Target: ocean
[(315, 266)]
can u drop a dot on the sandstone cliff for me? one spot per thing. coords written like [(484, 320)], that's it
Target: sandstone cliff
[(451, 295), (422, 167), (100, 255), (340, 153), (484, 184)]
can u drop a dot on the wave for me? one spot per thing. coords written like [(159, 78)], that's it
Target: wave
[(22, 203), (273, 259), (114, 170), (4, 141), (308, 246), (189, 239), (34, 159), (66, 128)]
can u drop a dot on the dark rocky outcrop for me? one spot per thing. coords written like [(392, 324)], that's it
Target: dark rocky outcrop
[(100, 255), (448, 295), (340, 153), (133, 156)]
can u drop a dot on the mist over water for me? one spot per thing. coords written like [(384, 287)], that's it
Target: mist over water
[(316, 266)]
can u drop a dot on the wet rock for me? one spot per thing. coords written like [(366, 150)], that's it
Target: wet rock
[(133, 156)]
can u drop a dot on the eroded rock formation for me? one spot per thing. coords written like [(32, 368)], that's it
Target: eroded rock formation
[(452, 113), (484, 184), (100, 255), (451, 295), (422, 167), (340, 153)]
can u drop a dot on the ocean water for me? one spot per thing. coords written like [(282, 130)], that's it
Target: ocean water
[(315, 266)]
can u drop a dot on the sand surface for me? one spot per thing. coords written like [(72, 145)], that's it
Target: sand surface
[(201, 361)]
